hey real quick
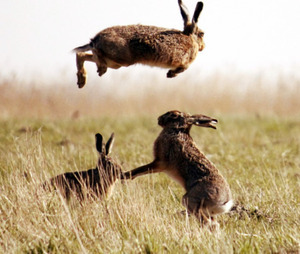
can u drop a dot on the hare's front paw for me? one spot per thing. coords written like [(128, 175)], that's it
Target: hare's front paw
[(101, 70), (171, 74)]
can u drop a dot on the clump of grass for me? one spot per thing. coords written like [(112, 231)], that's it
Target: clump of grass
[(258, 156)]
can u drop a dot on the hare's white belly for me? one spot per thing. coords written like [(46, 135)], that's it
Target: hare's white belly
[(174, 174), (112, 64)]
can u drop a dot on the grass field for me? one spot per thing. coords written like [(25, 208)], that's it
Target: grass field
[(257, 151)]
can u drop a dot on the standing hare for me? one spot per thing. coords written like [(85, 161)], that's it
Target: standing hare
[(176, 154), (99, 180), (119, 46)]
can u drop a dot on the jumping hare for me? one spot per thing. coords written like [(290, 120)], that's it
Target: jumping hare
[(99, 180), (119, 46), (176, 154)]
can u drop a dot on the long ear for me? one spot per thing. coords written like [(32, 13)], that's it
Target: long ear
[(99, 139), (197, 12), (109, 144), (184, 13)]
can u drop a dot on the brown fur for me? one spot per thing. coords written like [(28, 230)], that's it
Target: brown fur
[(119, 46), (176, 154), (98, 181)]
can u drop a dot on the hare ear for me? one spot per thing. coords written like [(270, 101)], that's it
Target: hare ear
[(109, 144), (99, 139), (184, 13), (197, 12)]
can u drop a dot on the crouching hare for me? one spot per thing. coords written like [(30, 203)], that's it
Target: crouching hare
[(98, 181), (176, 154), (119, 46)]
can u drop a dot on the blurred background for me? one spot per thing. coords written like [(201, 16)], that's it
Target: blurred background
[(250, 64)]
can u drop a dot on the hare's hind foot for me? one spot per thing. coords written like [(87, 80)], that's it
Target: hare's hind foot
[(209, 223), (81, 78), (81, 73), (173, 73), (212, 225)]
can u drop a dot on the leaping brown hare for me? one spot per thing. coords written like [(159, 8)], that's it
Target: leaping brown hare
[(98, 181), (176, 154), (119, 46)]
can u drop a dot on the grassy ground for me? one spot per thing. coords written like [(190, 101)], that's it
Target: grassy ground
[(259, 156)]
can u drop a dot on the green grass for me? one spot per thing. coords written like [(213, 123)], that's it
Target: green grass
[(260, 158)]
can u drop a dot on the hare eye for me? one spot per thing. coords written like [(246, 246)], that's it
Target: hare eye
[(174, 116)]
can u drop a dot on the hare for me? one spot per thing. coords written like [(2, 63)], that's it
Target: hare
[(99, 180), (119, 46), (176, 154)]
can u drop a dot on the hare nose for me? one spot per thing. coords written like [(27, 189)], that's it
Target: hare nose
[(202, 46)]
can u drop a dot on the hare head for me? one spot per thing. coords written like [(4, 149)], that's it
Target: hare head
[(105, 163), (180, 120), (190, 25)]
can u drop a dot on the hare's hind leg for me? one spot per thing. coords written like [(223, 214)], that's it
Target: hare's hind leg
[(193, 206), (173, 73), (196, 205), (81, 73)]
